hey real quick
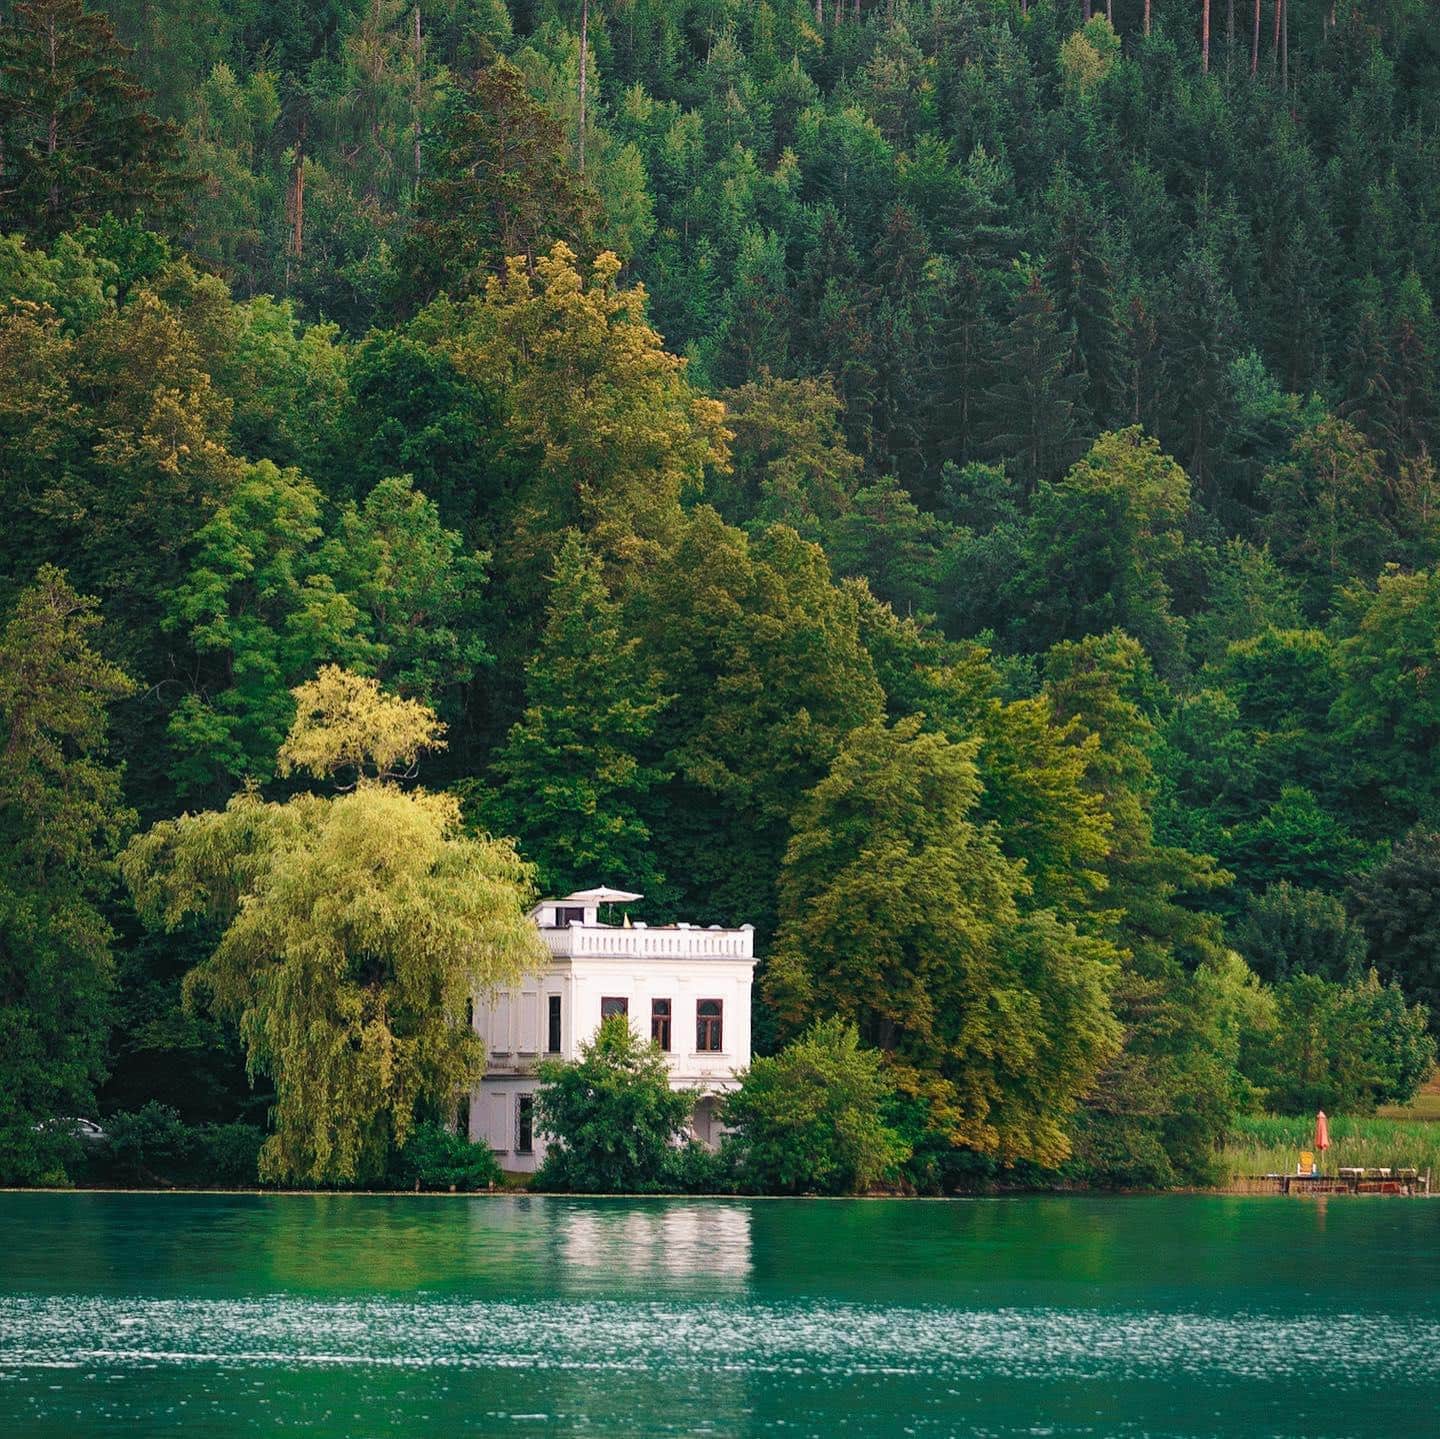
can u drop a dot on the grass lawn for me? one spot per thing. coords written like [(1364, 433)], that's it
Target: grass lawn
[(1425, 1106)]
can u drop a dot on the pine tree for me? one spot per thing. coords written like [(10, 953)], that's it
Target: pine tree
[(496, 182), (1201, 340), (1033, 424), (965, 341), (77, 139), (572, 769), (1369, 402), (1080, 277), (1413, 383)]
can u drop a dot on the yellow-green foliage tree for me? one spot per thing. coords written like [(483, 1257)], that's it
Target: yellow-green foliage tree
[(900, 914), (612, 428), (353, 929)]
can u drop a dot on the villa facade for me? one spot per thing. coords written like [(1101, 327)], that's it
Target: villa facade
[(684, 986)]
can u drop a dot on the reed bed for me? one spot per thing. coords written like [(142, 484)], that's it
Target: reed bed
[(1271, 1144)]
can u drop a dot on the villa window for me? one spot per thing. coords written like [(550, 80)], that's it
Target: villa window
[(709, 1029), (552, 1039), (565, 914), (525, 1124), (660, 1023), (613, 1004)]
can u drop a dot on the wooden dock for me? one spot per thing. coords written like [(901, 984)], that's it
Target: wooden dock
[(1409, 1182)]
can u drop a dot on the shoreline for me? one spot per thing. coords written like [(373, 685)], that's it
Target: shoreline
[(1219, 1192)]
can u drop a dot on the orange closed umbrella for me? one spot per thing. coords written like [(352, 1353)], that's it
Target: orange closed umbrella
[(1322, 1132)]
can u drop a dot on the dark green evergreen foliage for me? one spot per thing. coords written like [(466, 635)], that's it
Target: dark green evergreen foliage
[(1286, 931), (1032, 404), (495, 182), (572, 775), (611, 1120), (1081, 278), (77, 138), (1398, 904)]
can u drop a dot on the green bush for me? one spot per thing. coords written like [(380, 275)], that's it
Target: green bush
[(148, 1145), (154, 1146), (610, 1120), (810, 1120), (47, 1155), (436, 1158), (227, 1154), (693, 1169)]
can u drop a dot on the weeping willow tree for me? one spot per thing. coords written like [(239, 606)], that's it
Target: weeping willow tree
[(353, 929)]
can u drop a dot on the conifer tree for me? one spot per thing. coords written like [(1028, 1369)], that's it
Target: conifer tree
[(1369, 402), (496, 183), (573, 769), (1201, 335), (1413, 357), (77, 139), (1032, 406), (1080, 277)]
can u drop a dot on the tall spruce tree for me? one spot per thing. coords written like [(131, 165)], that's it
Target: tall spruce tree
[(1033, 421), (77, 139), (574, 768), (1080, 276)]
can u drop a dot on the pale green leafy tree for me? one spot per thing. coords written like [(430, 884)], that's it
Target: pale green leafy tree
[(353, 930)]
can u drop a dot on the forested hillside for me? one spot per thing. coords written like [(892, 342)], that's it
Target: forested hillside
[(950, 484)]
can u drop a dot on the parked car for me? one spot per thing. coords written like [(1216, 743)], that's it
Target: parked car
[(85, 1130)]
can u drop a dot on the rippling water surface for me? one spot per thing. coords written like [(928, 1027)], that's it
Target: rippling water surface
[(348, 1315)]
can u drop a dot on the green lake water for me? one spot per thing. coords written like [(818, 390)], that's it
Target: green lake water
[(348, 1315)]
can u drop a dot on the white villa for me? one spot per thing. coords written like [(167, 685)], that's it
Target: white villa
[(685, 987)]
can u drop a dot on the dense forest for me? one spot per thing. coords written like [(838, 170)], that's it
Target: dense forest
[(951, 484)]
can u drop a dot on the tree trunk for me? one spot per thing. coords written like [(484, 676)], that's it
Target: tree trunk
[(1205, 36), (417, 95), (1147, 16), (297, 206), (52, 128), (584, 65), (1275, 43), (1255, 42), (1085, 10), (1285, 47)]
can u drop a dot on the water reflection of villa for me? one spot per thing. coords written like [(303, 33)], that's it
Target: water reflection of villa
[(685, 987)]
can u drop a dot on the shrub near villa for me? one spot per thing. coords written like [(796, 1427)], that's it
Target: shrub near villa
[(612, 1122), (810, 1120)]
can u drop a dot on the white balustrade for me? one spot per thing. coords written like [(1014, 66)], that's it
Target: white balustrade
[(607, 942)]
